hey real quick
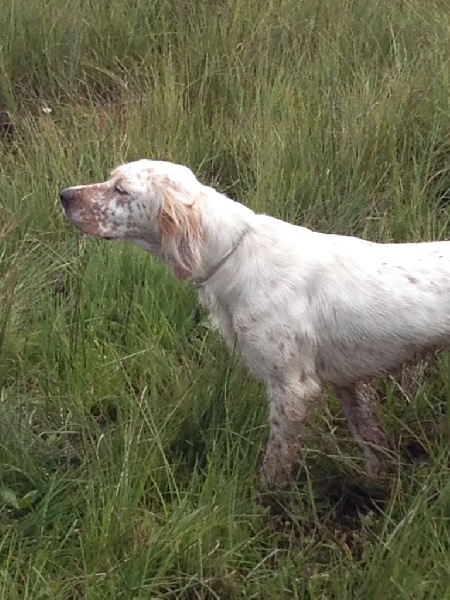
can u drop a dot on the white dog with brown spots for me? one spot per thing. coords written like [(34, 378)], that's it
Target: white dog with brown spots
[(302, 308)]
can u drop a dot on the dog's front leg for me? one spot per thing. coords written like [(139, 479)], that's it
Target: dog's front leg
[(290, 399)]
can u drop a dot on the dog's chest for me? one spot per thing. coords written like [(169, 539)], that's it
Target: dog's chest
[(221, 318)]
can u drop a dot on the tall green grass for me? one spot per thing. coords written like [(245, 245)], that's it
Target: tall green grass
[(129, 439)]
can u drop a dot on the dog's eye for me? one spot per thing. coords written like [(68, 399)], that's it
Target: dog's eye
[(120, 190)]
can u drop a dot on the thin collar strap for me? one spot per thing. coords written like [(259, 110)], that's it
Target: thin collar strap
[(200, 281)]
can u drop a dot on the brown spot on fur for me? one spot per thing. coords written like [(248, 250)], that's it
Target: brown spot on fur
[(281, 410), (412, 279)]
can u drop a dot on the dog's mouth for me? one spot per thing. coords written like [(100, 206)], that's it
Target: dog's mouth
[(86, 228), (89, 227)]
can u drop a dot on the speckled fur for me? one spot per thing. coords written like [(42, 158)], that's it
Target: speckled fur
[(302, 308)]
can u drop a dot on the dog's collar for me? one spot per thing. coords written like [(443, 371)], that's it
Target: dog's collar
[(200, 281)]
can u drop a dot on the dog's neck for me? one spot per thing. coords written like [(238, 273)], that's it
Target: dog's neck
[(201, 280), (226, 223)]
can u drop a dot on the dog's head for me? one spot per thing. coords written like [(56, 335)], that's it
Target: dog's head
[(153, 203)]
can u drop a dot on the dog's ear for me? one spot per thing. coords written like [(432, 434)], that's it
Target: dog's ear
[(181, 232)]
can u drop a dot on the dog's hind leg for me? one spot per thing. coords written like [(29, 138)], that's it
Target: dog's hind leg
[(364, 424)]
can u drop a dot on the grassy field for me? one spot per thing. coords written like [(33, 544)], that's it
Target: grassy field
[(129, 438)]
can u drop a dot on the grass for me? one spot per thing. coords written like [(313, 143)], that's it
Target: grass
[(129, 439)]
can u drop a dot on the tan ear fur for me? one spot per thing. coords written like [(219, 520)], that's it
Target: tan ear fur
[(181, 234)]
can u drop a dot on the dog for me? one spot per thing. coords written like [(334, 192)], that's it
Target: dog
[(303, 309)]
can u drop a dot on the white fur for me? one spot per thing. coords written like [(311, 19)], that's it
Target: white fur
[(302, 308)]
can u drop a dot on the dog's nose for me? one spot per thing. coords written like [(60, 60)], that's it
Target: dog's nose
[(66, 197)]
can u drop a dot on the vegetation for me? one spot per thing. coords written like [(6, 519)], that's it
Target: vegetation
[(129, 438)]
